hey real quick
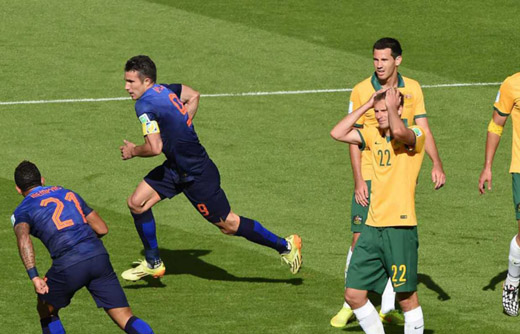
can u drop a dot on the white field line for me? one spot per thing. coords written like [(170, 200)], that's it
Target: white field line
[(284, 92)]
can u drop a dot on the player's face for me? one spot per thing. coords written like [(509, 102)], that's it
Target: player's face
[(381, 113), (384, 64), (134, 85)]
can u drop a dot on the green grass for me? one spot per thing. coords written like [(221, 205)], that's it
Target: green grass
[(277, 161)]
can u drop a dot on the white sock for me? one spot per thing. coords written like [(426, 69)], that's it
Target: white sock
[(349, 256), (369, 319), (388, 298), (513, 274), (414, 321)]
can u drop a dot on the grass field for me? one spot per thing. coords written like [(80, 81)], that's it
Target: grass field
[(277, 161)]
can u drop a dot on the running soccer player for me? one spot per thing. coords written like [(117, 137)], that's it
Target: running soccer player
[(507, 103), (388, 245), (387, 55), (166, 113), (70, 230)]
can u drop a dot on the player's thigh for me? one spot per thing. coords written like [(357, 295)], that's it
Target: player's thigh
[(103, 285), (359, 213), (516, 193), (206, 195), (400, 245), (366, 270)]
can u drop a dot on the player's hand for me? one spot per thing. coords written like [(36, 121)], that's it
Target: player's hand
[(361, 193), (126, 150), (40, 286), (393, 98), (438, 176), (373, 97), (485, 176)]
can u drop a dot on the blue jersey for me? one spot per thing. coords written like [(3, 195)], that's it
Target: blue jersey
[(160, 111), (56, 216)]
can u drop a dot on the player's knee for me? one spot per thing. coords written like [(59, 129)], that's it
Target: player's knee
[(230, 225), (354, 299), (134, 205)]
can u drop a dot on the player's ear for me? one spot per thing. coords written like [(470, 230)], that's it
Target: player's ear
[(398, 60), (18, 190), (43, 181)]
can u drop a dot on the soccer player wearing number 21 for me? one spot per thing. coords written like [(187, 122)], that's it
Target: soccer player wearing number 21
[(166, 113), (70, 230), (389, 241)]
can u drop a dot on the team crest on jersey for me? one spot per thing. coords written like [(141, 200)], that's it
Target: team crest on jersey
[(13, 220), (357, 220), (417, 132), (498, 97), (144, 118)]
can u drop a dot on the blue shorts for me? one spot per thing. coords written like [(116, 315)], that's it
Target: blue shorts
[(204, 191), (96, 274)]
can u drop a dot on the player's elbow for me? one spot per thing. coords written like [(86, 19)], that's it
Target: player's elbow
[(102, 231), (156, 149), (335, 134)]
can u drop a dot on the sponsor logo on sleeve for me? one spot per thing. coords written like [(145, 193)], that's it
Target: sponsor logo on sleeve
[(144, 118), (13, 220), (350, 107)]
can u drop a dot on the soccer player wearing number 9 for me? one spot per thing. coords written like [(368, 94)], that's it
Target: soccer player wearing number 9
[(166, 113), (389, 242), (70, 230)]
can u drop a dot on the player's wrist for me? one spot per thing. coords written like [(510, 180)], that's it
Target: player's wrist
[(33, 273)]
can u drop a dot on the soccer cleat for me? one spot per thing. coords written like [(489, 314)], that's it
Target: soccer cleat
[(510, 300), (294, 257), (142, 270), (341, 319), (393, 317)]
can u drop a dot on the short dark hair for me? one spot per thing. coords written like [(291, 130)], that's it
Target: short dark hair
[(27, 176), (142, 65), (389, 43), (382, 96)]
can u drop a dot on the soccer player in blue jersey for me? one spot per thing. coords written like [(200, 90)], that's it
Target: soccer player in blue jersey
[(70, 230), (166, 113)]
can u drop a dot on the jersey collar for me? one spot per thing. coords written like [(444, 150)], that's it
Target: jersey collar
[(377, 86), (35, 189)]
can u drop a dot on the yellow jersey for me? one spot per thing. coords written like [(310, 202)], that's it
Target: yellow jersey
[(508, 103), (395, 170), (413, 108)]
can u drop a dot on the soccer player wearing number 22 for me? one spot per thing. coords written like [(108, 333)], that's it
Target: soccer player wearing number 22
[(166, 113), (70, 230), (388, 244)]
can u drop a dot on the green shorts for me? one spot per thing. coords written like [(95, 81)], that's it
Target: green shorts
[(359, 213), (383, 252), (516, 193)]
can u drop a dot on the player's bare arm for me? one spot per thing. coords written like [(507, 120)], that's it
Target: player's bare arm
[(438, 175), (360, 186), (343, 130), (492, 141), (97, 224), (190, 97), (26, 250), (399, 131), (152, 146)]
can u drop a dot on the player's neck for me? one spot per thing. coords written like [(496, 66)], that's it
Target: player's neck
[(28, 191), (391, 82)]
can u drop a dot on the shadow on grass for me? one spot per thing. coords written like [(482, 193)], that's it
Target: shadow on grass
[(189, 262), (389, 329), (495, 281), (430, 284)]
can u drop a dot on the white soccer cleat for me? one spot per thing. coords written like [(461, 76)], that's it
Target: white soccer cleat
[(510, 300)]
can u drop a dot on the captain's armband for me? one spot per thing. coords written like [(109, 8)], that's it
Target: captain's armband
[(495, 128), (150, 127)]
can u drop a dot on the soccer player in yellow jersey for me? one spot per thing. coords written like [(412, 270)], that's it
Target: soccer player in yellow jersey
[(387, 248), (507, 103), (387, 56)]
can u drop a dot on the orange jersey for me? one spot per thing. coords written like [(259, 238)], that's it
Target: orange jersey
[(395, 170), (508, 103), (413, 109)]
